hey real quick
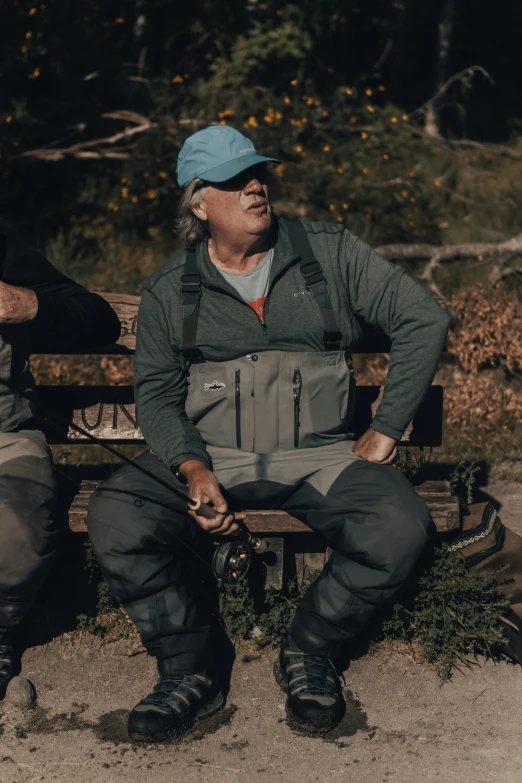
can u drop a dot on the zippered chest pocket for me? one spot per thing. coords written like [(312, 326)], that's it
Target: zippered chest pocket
[(220, 402), (316, 399)]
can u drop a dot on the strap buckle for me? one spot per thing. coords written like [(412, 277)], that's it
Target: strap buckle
[(312, 273), (190, 284)]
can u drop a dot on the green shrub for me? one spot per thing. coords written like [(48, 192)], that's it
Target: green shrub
[(451, 613), (237, 610)]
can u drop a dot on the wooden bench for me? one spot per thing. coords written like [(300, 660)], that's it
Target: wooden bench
[(109, 413)]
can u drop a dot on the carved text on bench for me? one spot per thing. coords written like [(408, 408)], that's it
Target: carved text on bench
[(107, 421)]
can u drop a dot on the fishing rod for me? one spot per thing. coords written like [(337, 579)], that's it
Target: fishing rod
[(231, 559)]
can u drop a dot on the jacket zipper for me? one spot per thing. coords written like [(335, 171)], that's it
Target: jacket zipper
[(296, 386), (238, 408)]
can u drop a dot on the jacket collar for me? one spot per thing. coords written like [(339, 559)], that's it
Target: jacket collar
[(284, 256)]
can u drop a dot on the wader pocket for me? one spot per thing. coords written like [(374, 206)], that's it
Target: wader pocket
[(321, 388), (219, 402)]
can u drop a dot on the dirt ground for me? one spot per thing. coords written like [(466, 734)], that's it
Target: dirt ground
[(401, 725)]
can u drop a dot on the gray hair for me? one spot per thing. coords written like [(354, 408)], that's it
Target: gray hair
[(190, 228)]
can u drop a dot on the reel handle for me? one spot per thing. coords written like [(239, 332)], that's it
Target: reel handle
[(259, 545)]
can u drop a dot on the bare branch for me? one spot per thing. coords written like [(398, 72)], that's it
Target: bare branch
[(451, 252), (503, 252), (457, 77), (127, 116), (79, 150), (497, 149)]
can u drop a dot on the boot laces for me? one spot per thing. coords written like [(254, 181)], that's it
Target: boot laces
[(186, 689), (318, 674)]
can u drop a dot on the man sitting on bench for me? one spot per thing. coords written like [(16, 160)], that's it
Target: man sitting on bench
[(38, 305), (245, 393)]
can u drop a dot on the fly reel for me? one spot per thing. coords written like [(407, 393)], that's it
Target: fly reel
[(231, 561)]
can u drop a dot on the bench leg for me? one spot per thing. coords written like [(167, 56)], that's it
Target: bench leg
[(273, 563)]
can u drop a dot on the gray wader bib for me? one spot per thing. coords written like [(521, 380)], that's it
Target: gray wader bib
[(272, 401), (276, 426)]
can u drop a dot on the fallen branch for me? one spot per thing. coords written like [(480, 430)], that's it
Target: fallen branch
[(435, 255), (453, 144), (451, 252), (79, 150)]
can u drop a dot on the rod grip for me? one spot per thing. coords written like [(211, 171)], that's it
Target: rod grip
[(203, 509)]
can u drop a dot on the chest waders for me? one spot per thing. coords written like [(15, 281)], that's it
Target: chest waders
[(270, 401)]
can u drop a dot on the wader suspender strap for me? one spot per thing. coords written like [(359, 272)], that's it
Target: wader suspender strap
[(190, 296), (310, 269), (315, 282)]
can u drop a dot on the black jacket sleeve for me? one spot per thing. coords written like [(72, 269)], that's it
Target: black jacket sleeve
[(68, 315)]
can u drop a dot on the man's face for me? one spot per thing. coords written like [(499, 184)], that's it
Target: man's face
[(238, 206)]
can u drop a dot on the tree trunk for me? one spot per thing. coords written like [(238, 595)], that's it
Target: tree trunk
[(445, 33)]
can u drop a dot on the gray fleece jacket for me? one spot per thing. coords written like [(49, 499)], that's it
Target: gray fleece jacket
[(363, 288)]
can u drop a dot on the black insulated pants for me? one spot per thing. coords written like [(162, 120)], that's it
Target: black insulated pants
[(370, 515)]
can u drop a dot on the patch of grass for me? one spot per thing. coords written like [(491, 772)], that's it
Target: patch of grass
[(451, 613), (463, 476)]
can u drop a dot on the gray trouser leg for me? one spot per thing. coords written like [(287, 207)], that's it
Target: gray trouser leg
[(27, 532), (135, 526), (377, 527)]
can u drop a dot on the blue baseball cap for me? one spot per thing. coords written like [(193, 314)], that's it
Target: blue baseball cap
[(215, 154)]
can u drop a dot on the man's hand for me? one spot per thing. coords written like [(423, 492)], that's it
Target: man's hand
[(203, 485), (17, 305), (375, 447)]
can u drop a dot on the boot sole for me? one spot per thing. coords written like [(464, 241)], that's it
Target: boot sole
[(208, 709), (293, 720)]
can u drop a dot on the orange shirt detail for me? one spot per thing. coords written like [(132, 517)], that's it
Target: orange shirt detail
[(259, 308)]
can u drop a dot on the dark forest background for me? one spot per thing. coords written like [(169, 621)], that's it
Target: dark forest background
[(398, 119)]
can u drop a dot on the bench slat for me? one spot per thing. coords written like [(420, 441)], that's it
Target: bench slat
[(109, 413), (444, 508)]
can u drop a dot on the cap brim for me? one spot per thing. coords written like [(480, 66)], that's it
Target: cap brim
[(231, 168)]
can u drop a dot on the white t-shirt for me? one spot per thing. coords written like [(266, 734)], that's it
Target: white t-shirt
[(253, 286)]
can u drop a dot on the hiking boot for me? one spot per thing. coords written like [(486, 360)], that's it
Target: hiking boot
[(8, 667), (314, 701), (175, 702)]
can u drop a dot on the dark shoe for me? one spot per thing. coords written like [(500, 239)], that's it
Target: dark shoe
[(176, 701), (8, 667), (315, 701)]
